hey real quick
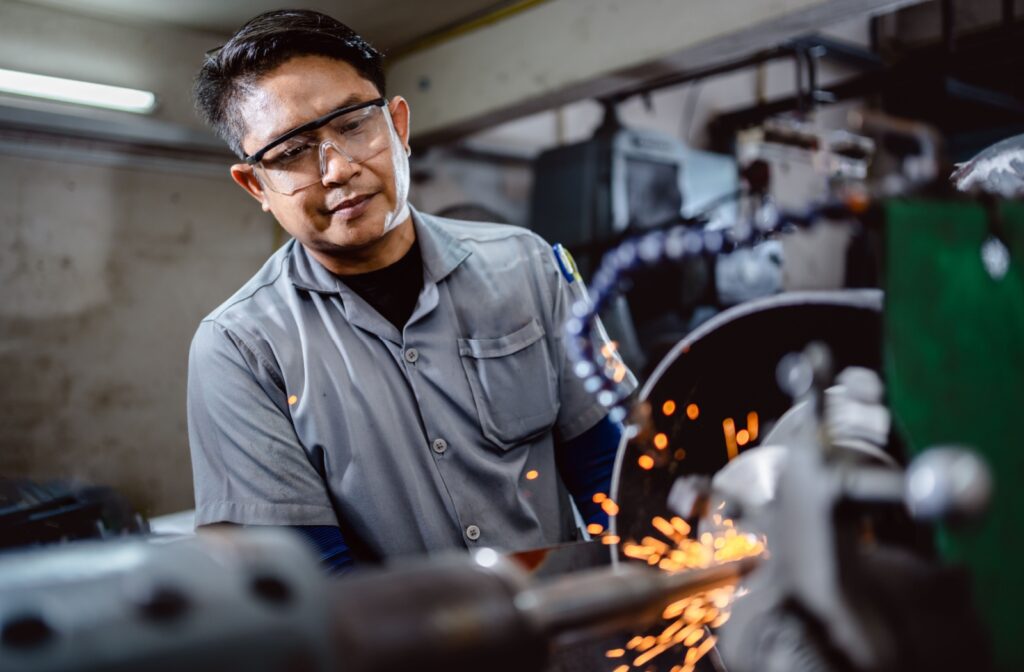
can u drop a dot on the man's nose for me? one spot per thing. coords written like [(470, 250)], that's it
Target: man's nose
[(336, 166)]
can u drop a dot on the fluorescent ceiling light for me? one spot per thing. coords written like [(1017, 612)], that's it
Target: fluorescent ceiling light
[(74, 91)]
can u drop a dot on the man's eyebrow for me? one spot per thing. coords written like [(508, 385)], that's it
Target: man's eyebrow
[(351, 99)]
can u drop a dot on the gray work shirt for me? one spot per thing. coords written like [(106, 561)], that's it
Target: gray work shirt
[(307, 407)]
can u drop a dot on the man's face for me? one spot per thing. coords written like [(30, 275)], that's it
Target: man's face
[(347, 209)]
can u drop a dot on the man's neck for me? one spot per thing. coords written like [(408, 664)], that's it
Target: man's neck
[(391, 247)]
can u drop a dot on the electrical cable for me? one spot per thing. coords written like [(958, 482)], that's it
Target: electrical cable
[(669, 243)]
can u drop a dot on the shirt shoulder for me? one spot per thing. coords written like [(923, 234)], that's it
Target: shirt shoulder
[(486, 234), (503, 246), (252, 298)]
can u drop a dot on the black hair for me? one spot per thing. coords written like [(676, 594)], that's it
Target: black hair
[(262, 44)]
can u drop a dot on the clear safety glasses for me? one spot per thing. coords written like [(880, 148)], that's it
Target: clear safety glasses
[(299, 158)]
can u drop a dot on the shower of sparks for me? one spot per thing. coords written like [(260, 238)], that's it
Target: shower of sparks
[(690, 621), (668, 408)]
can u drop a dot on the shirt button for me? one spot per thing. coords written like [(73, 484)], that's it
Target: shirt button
[(473, 532), (439, 446), (411, 355)]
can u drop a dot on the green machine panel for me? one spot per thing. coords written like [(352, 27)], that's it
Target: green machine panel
[(955, 368)]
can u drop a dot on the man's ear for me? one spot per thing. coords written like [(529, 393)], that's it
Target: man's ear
[(399, 108), (245, 177)]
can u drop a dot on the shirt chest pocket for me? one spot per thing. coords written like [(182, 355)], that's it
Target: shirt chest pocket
[(513, 384)]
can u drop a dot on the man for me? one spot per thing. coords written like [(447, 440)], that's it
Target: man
[(389, 383)]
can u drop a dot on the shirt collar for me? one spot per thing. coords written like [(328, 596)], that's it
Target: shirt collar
[(442, 253)]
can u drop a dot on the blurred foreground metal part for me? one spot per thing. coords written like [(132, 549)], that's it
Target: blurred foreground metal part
[(256, 600), (826, 600)]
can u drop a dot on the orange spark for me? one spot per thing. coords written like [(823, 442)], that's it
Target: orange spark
[(609, 539), (645, 658), (599, 497), (729, 429), (646, 462), (742, 437), (616, 653), (693, 411), (681, 525), (660, 441), (292, 400), (693, 637), (666, 528), (610, 507), (532, 474), (595, 528), (699, 652), (676, 609), (609, 349), (658, 545), (669, 407), (752, 425)]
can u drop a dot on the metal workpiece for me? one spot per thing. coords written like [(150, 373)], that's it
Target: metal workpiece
[(601, 599), (483, 611), (452, 612)]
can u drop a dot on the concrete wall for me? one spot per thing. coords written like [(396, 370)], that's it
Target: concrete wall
[(107, 264), (104, 274)]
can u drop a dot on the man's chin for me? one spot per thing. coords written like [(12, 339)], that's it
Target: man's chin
[(350, 235)]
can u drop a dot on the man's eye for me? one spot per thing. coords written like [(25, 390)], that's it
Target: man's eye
[(352, 126), (294, 152)]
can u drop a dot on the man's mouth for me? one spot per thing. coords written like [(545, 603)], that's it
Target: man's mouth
[(352, 207)]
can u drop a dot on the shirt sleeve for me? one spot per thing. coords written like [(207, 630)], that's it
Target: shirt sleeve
[(248, 465), (580, 409)]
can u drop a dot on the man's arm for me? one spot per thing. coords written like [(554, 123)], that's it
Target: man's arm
[(585, 464), (326, 540), (335, 555)]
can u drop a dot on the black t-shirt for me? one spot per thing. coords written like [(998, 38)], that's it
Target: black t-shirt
[(393, 290)]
